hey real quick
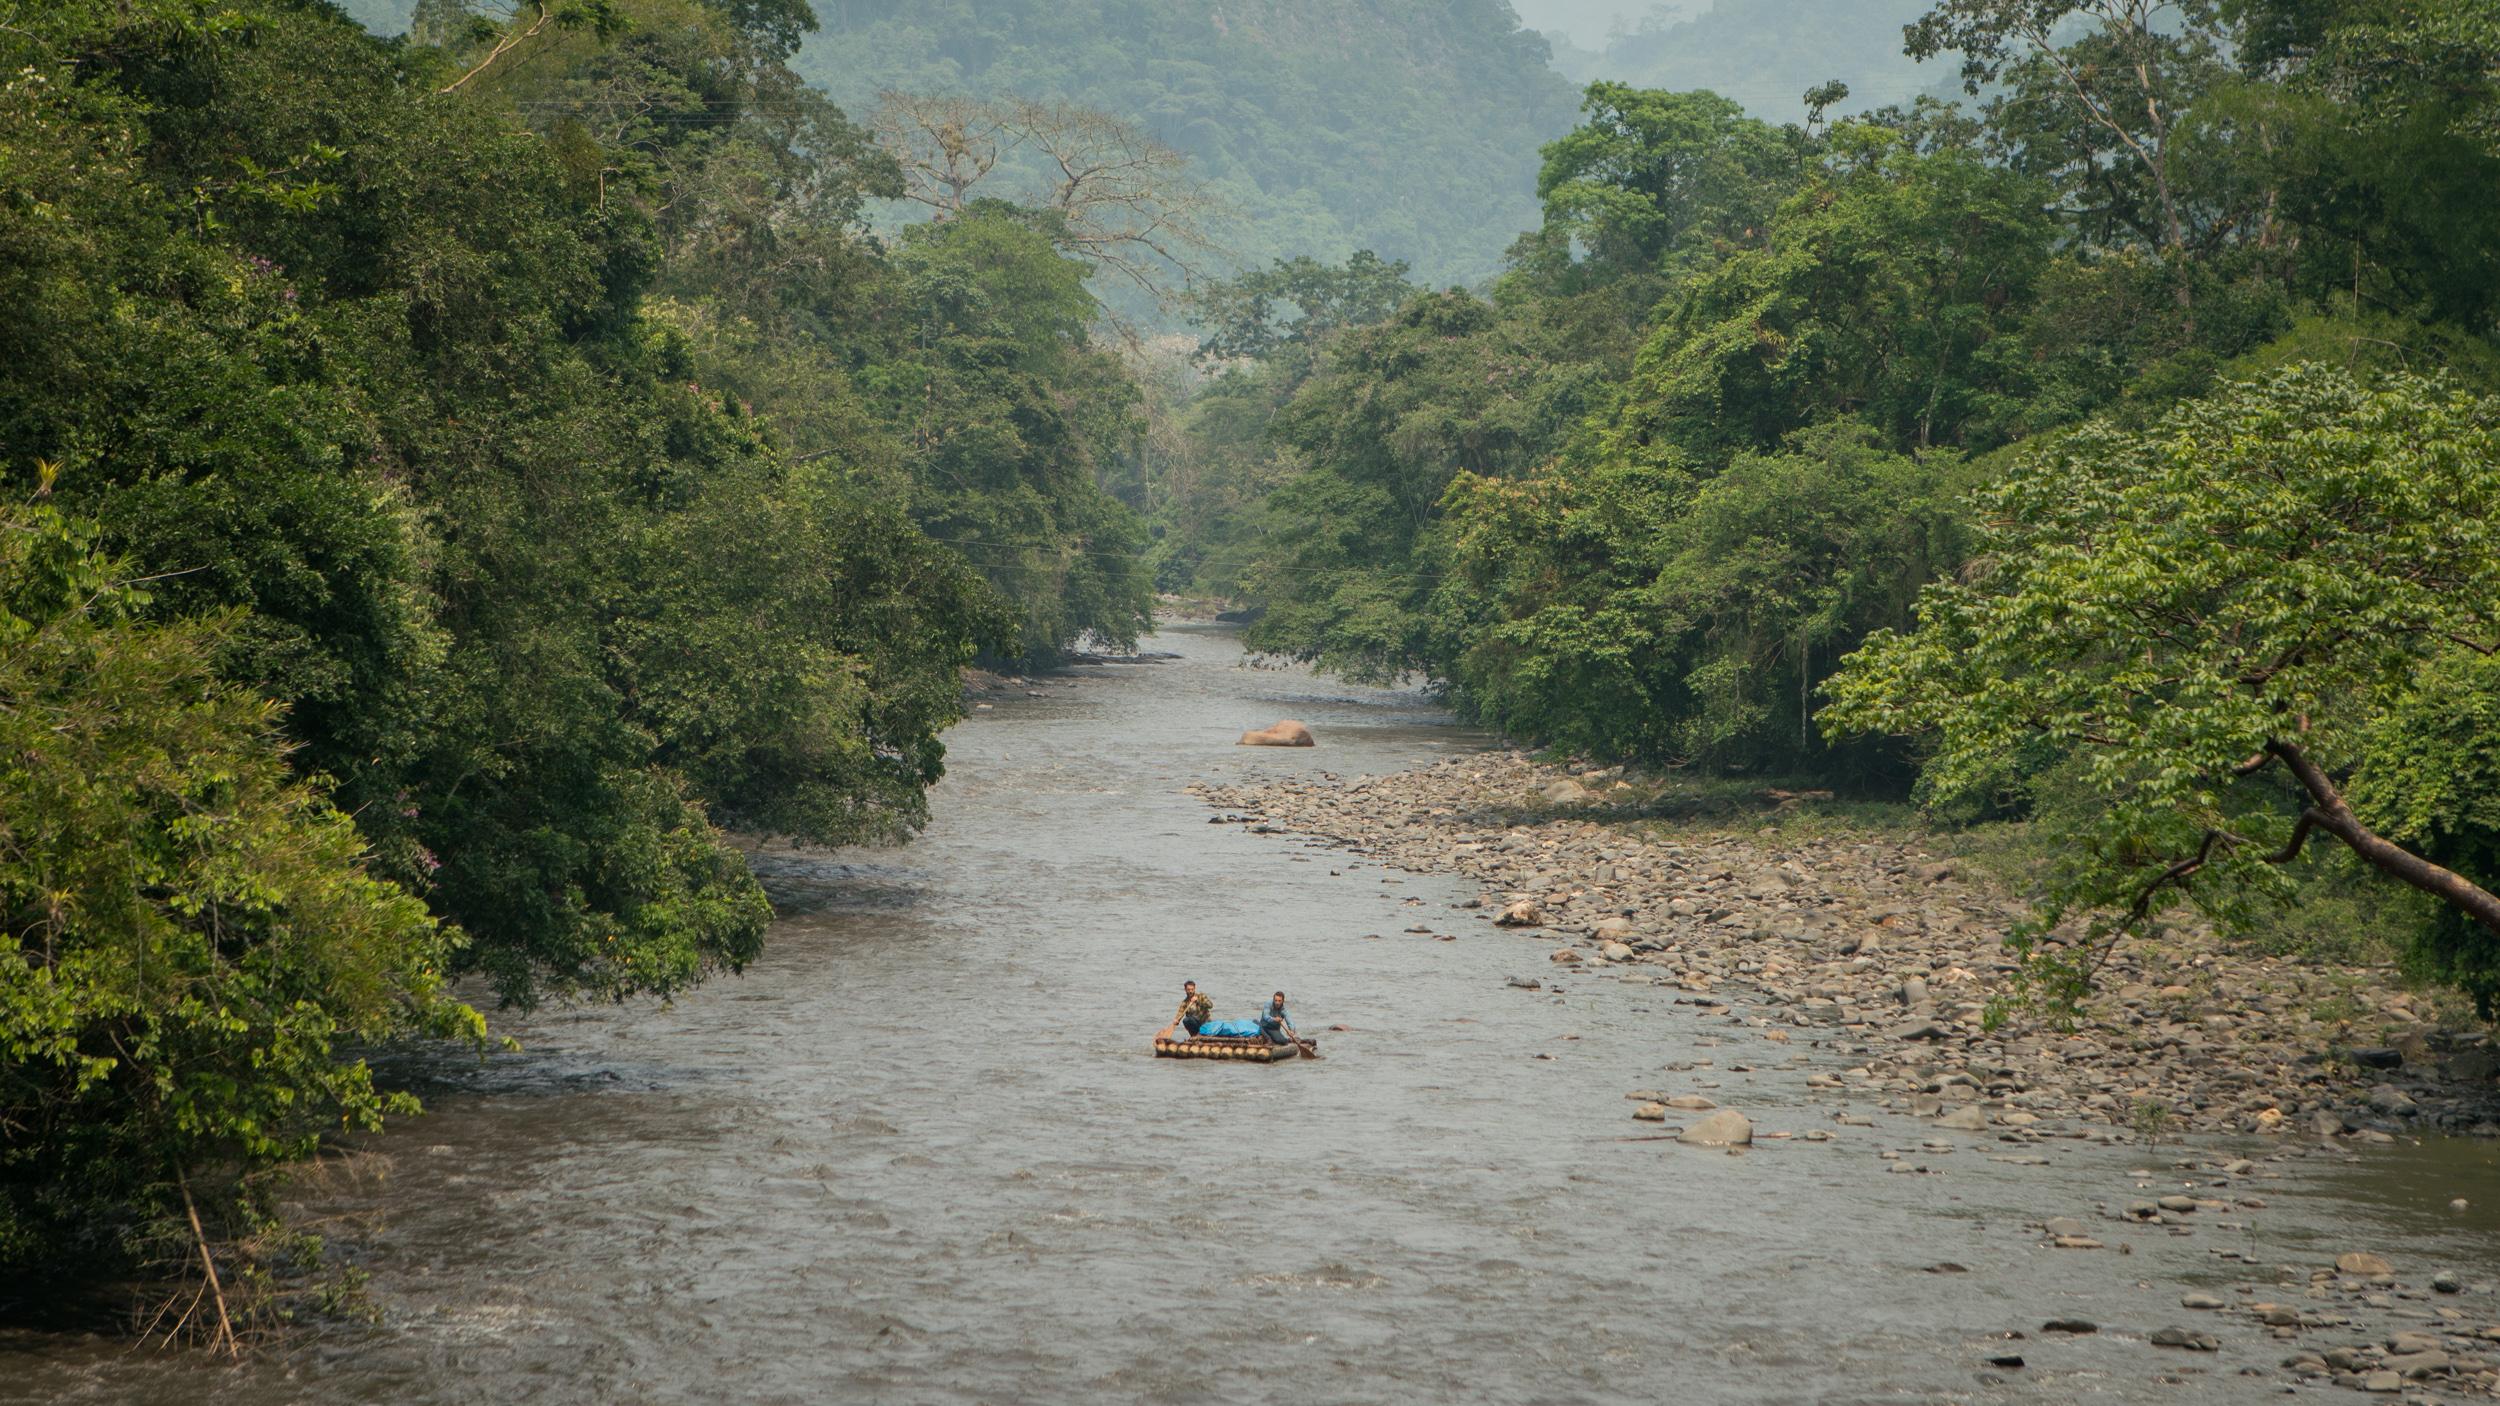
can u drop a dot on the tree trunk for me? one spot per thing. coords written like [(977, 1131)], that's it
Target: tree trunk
[(2398, 863)]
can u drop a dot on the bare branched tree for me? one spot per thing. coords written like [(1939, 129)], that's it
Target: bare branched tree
[(1124, 202)]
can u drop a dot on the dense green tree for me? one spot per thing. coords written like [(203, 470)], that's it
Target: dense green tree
[(1394, 413), (1638, 607), (194, 940), (1298, 303), (1876, 294), (1648, 176), (2235, 622)]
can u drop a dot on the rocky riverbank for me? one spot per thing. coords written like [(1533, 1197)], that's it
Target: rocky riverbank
[(1871, 938), (1880, 953)]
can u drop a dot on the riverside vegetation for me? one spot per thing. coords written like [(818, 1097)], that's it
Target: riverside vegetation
[(2113, 455), (452, 478), (448, 480)]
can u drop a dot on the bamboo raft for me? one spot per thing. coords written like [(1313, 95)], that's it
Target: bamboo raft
[(1251, 1047)]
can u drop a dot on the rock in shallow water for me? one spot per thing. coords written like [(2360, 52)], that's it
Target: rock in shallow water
[(2187, 1338), (1725, 1128), (1287, 733)]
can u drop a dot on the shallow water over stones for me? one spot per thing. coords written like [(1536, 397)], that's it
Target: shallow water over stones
[(920, 1152)]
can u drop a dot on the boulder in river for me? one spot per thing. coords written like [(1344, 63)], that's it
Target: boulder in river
[(1969, 1118), (1287, 733), (1725, 1128), (2187, 1338), (2361, 1264), (1523, 914)]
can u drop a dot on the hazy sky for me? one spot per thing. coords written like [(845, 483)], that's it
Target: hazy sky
[(1587, 21)]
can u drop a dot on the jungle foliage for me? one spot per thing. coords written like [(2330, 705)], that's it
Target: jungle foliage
[(444, 484), (1752, 395)]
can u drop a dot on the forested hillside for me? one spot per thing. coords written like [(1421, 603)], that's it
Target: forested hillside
[(2056, 435), (1407, 127), (446, 481), (1766, 54)]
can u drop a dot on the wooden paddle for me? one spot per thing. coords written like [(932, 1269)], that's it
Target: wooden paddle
[(1309, 1048)]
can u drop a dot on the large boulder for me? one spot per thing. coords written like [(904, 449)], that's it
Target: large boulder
[(1725, 1128), (1284, 734)]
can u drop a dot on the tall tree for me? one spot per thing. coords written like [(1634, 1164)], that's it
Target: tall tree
[(2218, 619)]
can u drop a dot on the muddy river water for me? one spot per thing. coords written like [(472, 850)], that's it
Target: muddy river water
[(921, 1152)]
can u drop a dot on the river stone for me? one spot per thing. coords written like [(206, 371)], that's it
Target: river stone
[(1969, 1118), (1523, 914), (2066, 1226), (1651, 1113), (2383, 1381), (2070, 1325), (2187, 1338), (1693, 1103), (2202, 1301), (1617, 928), (2447, 1282), (2362, 1264), (2417, 1364), (1614, 952), (1566, 956), (1286, 733), (1565, 793), (1725, 1128), (2390, 1100)]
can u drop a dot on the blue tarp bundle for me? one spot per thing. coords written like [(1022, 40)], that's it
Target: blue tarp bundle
[(1229, 1027)]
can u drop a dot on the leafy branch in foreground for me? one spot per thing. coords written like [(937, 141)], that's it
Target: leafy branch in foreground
[(2216, 625), (188, 934)]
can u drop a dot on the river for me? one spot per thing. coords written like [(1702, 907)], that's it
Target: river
[(920, 1151)]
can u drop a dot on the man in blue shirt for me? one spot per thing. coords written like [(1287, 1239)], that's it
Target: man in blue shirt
[(1276, 1025)]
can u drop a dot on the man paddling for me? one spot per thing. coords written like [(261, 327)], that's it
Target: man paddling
[(1196, 1007), (1276, 1025)]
